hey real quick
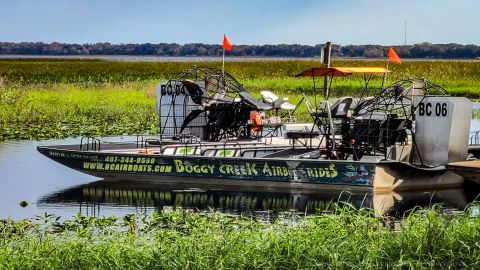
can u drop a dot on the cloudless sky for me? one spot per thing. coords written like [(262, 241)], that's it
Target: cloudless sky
[(244, 21)]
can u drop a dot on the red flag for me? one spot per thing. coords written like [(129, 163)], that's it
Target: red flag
[(227, 46), (393, 56)]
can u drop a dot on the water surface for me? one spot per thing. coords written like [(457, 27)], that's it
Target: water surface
[(147, 58), (26, 175)]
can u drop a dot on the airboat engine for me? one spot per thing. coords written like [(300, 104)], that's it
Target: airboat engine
[(442, 126), (205, 103)]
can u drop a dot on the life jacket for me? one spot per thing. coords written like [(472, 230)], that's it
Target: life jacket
[(256, 120)]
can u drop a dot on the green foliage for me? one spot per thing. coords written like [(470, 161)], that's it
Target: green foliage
[(42, 99), (450, 74), (345, 239), (65, 110)]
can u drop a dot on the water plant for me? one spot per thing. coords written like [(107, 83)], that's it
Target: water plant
[(461, 77), (347, 238), (64, 110)]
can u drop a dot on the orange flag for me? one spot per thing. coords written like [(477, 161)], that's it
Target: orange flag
[(393, 56), (227, 46)]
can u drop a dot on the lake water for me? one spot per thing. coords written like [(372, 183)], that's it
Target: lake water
[(26, 175), (152, 58), (146, 58)]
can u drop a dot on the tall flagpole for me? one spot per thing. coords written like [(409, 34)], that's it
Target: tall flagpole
[(227, 46), (223, 62), (385, 74)]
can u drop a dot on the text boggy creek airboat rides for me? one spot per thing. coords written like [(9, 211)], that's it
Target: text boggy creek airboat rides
[(213, 131)]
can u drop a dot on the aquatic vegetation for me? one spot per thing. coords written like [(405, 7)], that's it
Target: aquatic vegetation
[(346, 238), (42, 99), (66, 110), (458, 76)]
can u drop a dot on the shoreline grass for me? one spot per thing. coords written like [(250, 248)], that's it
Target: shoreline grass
[(65, 110), (347, 238)]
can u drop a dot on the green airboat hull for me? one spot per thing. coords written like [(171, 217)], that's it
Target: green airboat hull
[(265, 172)]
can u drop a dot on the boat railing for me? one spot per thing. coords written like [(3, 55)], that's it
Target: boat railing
[(151, 143), (213, 150), (91, 143), (140, 141), (475, 138), (254, 152), (240, 151), (198, 148), (189, 138), (237, 146)]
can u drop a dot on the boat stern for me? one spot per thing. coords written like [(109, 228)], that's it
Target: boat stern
[(390, 176)]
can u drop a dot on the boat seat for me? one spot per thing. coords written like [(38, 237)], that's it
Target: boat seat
[(339, 109), (275, 101), (298, 135), (359, 107), (251, 101), (278, 103)]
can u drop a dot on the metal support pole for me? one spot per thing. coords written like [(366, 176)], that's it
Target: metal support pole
[(326, 94), (326, 62)]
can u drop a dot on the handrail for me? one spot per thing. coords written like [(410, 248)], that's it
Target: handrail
[(142, 142), (146, 143), (91, 141), (189, 138), (475, 138), (242, 149), (216, 144), (233, 143), (276, 149)]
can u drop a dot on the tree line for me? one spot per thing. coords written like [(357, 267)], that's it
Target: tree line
[(422, 50)]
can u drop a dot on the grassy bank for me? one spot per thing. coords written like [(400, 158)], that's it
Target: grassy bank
[(51, 99), (66, 110), (353, 239)]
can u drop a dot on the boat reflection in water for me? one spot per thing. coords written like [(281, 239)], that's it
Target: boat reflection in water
[(145, 197)]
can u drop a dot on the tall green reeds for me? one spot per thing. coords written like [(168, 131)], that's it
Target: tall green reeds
[(345, 239), (67, 110), (459, 76)]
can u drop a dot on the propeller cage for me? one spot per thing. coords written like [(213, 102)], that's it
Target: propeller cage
[(204, 102)]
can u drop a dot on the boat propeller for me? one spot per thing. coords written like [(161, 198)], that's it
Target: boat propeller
[(198, 95)]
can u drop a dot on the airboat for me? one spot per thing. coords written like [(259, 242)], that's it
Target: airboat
[(214, 131)]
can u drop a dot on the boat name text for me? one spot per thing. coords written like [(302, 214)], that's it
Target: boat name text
[(197, 167), (437, 109)]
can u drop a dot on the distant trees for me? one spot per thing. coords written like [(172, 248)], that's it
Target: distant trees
[(423, 50)]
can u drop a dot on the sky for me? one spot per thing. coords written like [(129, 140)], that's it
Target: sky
[(252, 22)]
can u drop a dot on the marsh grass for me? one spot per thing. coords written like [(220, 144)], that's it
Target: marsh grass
[(450, 74), (64, 110), (345, 239), (42, 99)]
